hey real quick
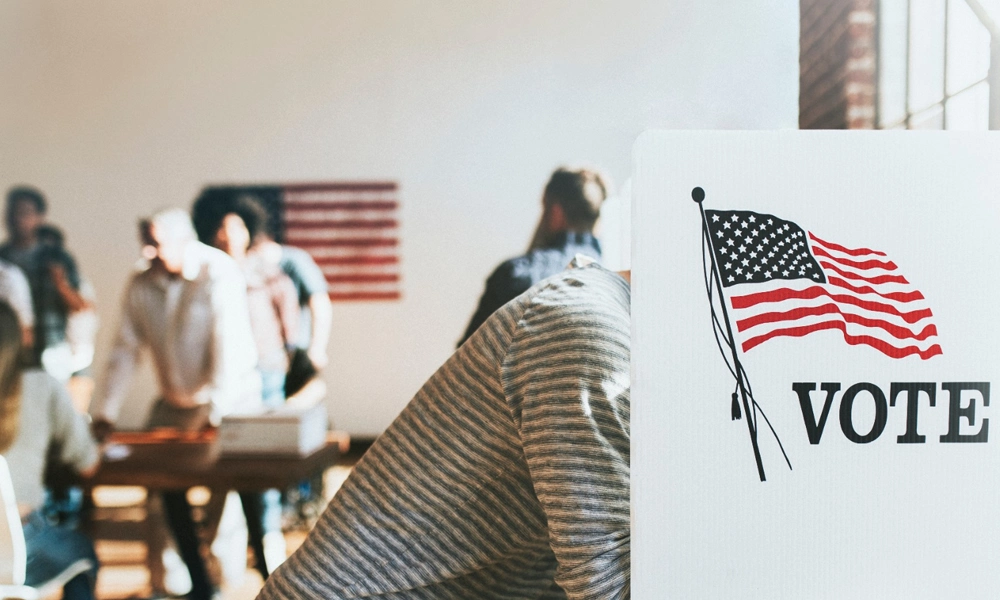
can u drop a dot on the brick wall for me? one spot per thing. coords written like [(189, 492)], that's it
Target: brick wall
[(837, 64)]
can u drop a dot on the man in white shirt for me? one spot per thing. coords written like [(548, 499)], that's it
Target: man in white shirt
[(189, 308)]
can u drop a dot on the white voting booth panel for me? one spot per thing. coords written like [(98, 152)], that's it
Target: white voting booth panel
[(844, 306)]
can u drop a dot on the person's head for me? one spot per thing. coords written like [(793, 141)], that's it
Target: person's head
[(240, 226), (26, 208), (10, 375), (571, 202), (165, 237)]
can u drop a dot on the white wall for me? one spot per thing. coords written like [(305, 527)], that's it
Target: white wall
[(115, 108)]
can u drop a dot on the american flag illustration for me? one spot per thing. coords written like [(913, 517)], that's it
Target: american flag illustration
[(802, 284), (352, 232)]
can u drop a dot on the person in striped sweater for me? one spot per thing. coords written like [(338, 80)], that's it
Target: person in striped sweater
[(506, 476)]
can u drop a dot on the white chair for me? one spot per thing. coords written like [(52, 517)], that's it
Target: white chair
[(14, 555)]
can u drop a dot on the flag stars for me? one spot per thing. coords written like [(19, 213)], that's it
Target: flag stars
[(770, 221), (739, 232), (753, 255), (726, 225), (731, 279), (743, 224), (720, 233), (743, 248), (767, 274), (815, 275), (739, 271), (715, 218), (730, 243), (745, 263), (736, 218), (756, 268), (729, 265), (784, 273)]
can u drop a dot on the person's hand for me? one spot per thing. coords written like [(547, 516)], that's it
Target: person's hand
[(318, 358), (101, 429)]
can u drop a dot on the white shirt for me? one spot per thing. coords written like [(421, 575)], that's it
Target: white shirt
[(14, 289), (197, 328)]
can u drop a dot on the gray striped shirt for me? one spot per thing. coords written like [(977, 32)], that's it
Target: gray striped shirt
[(506, 476)]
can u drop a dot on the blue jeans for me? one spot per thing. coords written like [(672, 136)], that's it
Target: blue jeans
[(272, 389), (52, 549)]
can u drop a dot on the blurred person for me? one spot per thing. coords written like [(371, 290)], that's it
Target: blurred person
[(81, 325), (507, 474), (14, 290), (189, 308), (271, 296), (274, 308), (52, 275), (304, 503), (35, 415), (571, 205), (316, 310)]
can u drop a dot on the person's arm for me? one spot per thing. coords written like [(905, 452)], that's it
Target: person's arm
[(285, 300), (71, 433), (566, 376), (320, 308), (71, 296), (109, 394)]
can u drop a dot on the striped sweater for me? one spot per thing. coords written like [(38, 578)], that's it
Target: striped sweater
[(506, 476)]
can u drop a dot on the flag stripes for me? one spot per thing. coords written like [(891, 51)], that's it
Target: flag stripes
[(351, 231), (858, 291)]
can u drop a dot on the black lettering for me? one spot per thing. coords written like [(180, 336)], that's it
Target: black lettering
[(846, 412), (814, 428), (912, 390), (956, 412)]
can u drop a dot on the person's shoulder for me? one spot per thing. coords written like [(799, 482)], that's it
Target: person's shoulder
[(212, 262), (582, 296), (37, 384)]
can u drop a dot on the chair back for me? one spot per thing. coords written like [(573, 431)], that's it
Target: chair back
[(13, 554)]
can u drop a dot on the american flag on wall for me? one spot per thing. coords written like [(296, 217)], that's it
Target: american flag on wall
[(803, 284), (351, 229)]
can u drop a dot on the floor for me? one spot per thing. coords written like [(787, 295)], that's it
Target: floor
[(123, 573)]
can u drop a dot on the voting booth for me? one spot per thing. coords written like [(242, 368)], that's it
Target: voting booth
[(814, 347)]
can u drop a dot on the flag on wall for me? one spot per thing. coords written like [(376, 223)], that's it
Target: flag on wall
[(803, 284), (351, 229), (352, 232)]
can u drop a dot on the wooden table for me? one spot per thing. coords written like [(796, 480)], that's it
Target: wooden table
[(173, 461)]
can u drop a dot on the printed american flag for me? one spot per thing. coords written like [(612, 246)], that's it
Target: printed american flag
[(802, 284), (351, 229)]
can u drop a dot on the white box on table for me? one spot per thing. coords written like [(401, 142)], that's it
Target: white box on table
[(284, 430)]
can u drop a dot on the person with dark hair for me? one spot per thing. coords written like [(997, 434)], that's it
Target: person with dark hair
[(274, 310), (270, 295), (571, 205), (52, 276), (36, 415)]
